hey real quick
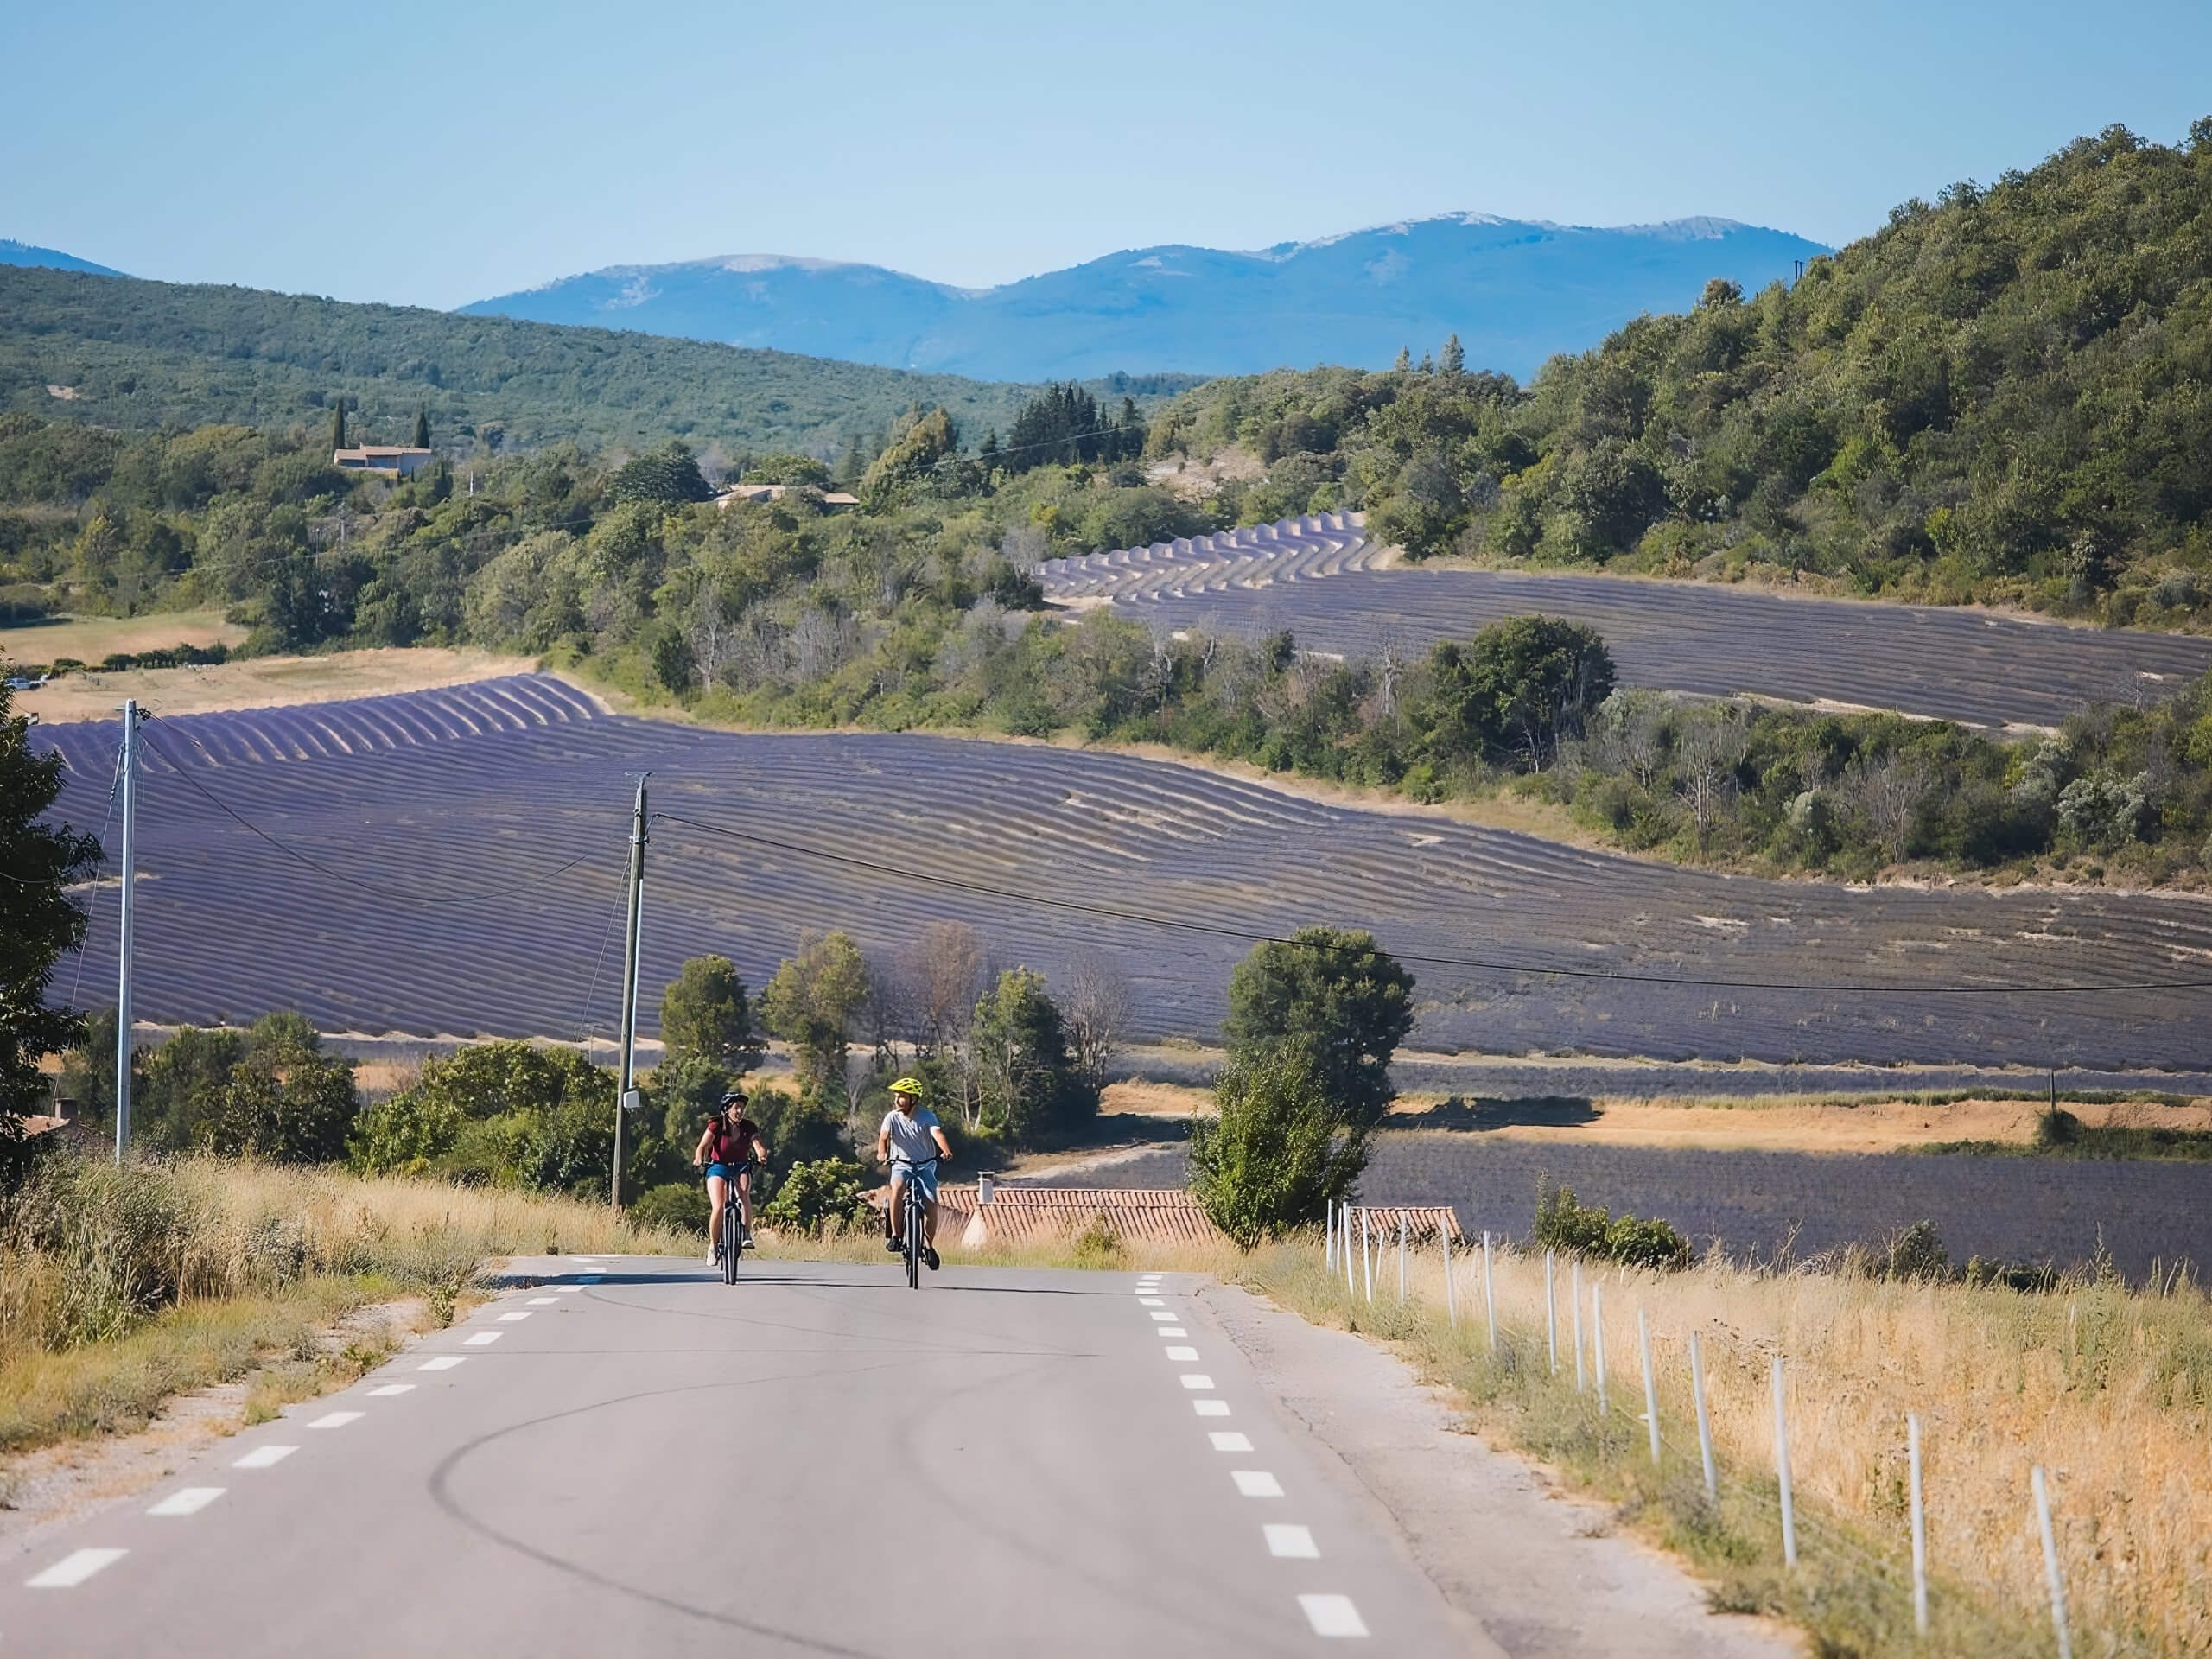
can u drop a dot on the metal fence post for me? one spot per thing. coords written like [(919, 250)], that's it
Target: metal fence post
[(1704, 1418), (1650, 1383), (1450, 1300), (2050, 1564), (1919, 1528), (1551, 1312), (1575, 1306), (1781, 1470), (1598, 1341), (1490, 1294)]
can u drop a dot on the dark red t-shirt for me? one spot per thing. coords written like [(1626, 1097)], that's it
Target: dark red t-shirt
[(731, 1146)]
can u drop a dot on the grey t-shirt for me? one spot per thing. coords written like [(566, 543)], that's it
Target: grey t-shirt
[(911, 1139)]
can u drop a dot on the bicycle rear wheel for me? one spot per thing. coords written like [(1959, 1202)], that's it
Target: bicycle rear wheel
[(731, 1237)]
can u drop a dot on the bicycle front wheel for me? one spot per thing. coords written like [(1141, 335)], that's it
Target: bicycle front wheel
[(731, 1235), (914, 1240)]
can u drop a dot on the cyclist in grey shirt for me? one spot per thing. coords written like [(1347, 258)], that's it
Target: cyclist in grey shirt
[(909, 1134)]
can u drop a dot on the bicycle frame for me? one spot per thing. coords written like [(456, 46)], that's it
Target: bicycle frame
[(733, 1238), (916, 1209)]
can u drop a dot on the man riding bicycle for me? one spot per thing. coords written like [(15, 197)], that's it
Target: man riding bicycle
[(909, 1139), (728, 1151)]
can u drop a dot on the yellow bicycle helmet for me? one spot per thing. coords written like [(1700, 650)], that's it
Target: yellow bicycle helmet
[(907, 1086)]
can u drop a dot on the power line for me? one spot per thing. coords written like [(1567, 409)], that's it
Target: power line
[(290, 852), (1220, 930)]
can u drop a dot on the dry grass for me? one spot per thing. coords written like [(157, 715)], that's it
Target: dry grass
[(264, 682), (94, 639), (2105, 1387), (119, 1289)]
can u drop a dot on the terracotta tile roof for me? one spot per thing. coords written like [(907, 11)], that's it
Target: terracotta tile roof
[(1021, 1215), (1423, 1221)]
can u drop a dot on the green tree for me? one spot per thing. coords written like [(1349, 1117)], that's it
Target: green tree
[(1282, 1144), (669, 475), (1027, 1082), (1454, 357), (38, 921), (421, 440), (811, 1003), (917, 448), (1334, 999), (505, 1113), (1515, 690), (824, 1192), (337, 424)]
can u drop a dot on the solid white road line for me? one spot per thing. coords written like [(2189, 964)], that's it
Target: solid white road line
[(1292, 1543), (188, 1500), (264, 1457), (1228, 1440), (1211, 1407), (1197, 1380), (388, 1390), (1257, 1482), (337, 1418), (1186, 1355), (1332, 1616), (510, 1317), (481, 1339), (73, 1569), (442, 1363)]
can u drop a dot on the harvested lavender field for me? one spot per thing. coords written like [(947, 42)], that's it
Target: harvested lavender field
[(1765, 1202), (1314, 578), (449, 861)]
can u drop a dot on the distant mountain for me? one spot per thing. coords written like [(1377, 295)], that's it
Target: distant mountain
[(1515, 291), (22, 253)]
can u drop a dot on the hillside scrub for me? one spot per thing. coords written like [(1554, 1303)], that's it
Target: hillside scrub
[(120, 1286), (1997, 398), (2104, 1386)]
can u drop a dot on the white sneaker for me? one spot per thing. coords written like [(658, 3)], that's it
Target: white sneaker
[(713, 1256)]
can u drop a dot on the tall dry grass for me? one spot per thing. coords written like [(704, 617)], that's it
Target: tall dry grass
[(120, 1286), (2106, 1387)]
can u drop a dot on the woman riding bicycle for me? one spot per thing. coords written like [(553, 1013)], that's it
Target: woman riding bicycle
[(912, 1141), (728, 1152)]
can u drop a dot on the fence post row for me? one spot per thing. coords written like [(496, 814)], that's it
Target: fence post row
[(1781, 1470), (1489, 1296), (1919, 1528), (1650, 1383), (2050, 1564), (1704, 1418)]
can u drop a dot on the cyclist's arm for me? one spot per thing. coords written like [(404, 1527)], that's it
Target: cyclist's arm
[(883, 1146), (760, 1152), (699, 1152), (944, 1145)]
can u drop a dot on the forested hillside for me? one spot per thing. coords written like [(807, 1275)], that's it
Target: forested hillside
[(2005, 396), (140, 356)]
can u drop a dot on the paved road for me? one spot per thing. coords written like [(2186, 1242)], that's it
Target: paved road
[(634, 1458)]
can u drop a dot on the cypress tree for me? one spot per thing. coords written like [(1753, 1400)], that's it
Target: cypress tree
[(338, 425), (1455, 356), (422, 427)]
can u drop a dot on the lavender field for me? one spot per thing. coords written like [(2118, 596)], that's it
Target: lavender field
[(1316, 578), (449, 863)]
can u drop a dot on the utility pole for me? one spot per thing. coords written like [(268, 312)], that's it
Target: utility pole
[(131, 718), (628, 1091)]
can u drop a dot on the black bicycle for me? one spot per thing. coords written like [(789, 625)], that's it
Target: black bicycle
[(731, 1245), (916, 1209)]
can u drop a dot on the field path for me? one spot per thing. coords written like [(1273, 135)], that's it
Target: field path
[(1319, 579)]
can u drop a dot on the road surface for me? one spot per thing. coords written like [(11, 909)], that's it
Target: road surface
[(632, 1458)]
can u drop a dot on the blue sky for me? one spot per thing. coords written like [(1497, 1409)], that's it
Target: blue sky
[(436, 154)]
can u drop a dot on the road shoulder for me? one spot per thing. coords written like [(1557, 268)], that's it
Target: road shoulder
[(1542, 1573)]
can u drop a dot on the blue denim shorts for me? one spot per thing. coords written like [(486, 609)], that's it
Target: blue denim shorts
[(924, 1176)]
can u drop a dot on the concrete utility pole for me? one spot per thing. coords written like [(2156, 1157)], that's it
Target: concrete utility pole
[(131, 718), (627, 1092)]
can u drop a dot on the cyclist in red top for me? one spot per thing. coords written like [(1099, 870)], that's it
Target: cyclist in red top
[(728, 1152)]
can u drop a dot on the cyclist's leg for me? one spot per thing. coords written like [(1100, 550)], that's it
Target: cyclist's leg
[(929, 1221), (717, 1195), (744, 1202), (896, 1210)]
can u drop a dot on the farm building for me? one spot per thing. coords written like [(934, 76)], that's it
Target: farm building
[(382, 457)]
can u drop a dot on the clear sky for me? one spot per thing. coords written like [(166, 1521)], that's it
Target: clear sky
[(436, 153)]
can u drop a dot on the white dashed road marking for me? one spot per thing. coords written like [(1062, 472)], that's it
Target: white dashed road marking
[(1162, 1319), (1150, 1301), (190, 1500), (1332, 1616), (1228, 1440), (518, 1314), (1170, 1330), (1292, 1543), (73, 1570), (1197, 1380), (264, 1457), (566, 1290), (442, 1363), (543, 1301), (1211, 1407), (483, 1336), (1257, 1482), (390, 1389), (337, 1418), (1185, 1355)]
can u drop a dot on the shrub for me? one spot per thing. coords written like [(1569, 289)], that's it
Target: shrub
[(1281, 1149), (825, 1192), (1564, 1224), (680, 1206)]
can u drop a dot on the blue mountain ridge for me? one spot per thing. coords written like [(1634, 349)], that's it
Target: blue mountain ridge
[(1515, 291), (23, 253)]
